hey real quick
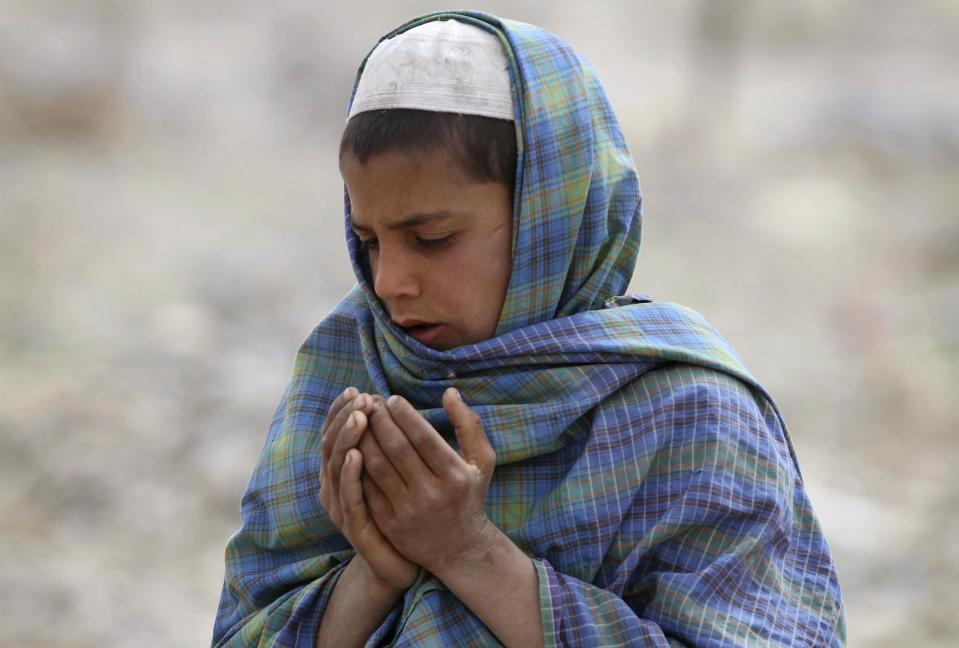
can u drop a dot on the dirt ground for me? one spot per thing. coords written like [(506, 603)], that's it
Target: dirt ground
[(171, 229)]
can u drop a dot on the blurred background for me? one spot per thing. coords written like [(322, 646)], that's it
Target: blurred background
[(170, 231)]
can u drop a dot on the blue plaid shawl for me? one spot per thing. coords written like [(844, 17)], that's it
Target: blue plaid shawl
[(639, 464)]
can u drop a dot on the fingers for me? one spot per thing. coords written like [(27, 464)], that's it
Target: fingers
[(350, 399), (432, 448), (348, 436), (335, 443), (351, 492), (379, 503), (380, 468), (341, 401), (344, 433), (335, 418), (475, 446), (329, 489), (397, 448)]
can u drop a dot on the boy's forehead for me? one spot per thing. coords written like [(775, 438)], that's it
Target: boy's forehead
[(430, 171), (393, 190)]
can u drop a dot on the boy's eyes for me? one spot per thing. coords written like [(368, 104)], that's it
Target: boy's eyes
[(428, 243), (432, 243)]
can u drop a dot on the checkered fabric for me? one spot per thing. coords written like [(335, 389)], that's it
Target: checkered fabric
[(639, 464)]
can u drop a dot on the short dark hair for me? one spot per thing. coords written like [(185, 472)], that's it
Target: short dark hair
[(484, 147)]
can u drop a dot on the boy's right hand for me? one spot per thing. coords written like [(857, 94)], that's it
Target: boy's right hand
[(341, 492)]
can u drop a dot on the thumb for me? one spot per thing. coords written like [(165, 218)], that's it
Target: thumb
[(476, 448)]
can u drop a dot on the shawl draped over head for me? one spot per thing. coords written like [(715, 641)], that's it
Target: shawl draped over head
[(639, 464)]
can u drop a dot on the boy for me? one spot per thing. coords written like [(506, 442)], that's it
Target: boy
[(618, 477)]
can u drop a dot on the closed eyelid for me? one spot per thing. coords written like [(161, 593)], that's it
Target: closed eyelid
[(356, 227), (435, 242)]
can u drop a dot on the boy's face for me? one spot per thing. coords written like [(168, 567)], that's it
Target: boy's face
[(439, 243)]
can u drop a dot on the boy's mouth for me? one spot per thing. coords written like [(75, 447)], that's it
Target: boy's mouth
[(425, 332)]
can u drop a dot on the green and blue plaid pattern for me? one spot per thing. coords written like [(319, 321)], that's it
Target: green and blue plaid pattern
[(639, 464)]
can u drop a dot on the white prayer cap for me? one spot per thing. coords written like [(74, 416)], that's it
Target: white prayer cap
[(441, 66)]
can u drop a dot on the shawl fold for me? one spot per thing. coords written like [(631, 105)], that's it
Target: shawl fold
[(640, 465)]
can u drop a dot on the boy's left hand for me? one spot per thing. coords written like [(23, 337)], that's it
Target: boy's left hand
[(428, 500)]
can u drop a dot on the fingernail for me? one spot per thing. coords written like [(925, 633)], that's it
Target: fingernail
[(351, 422), (349, 392), (393, 400)]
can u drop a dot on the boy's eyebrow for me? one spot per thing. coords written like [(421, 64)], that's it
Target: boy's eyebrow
[(413, 220)]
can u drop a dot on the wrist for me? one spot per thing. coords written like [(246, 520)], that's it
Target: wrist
[(480, 553), (501, 587), (359, 603), (373, 584)]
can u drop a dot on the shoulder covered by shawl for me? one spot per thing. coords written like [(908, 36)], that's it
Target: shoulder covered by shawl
[(692, 513)]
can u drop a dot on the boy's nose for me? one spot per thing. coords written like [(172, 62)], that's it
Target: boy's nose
[(394, 276)]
